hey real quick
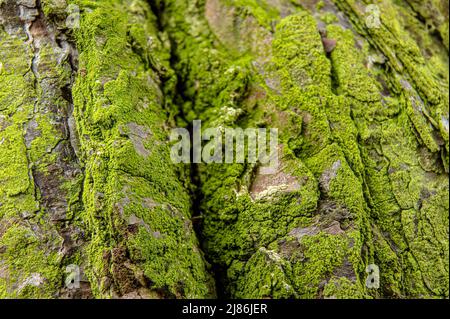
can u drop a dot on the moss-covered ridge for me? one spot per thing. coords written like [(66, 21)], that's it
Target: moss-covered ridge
[(340, 113), (284, 245), (137, 209)]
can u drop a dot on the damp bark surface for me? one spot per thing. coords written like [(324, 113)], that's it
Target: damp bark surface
[(89, 93)]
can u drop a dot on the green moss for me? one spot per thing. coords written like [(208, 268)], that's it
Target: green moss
[(55, 8), (265, 275), (32, 271), (291, 89), (323, 253), (422, 79), (31, 263), (397, 152), (329, 18), (136, 208), (363, 148), (341, 129), (264, 13), (342, 288)]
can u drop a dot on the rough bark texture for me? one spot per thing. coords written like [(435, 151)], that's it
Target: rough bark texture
[(85, 171)]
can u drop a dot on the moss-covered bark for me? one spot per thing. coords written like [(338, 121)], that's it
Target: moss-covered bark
[(40, 176), (85, 171), (133, 218)]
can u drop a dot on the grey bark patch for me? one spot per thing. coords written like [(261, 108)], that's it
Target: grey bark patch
[(330, 211), (51, 181), (334, 228), (285, 183), (34, 280), (73, 135), (3, 122), (149, 203), (27, 3), (266, 185), (332, 219), (406, 85), (345, 270), (328, 175), (304, 231), (120, 206), (444, 121), (327, 6), (133, 220), (31, 132), (53, 198), (138, 130), (28, 14), (132, 295), (138, 135)]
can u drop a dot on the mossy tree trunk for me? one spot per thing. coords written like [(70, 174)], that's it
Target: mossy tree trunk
[(358, 93)]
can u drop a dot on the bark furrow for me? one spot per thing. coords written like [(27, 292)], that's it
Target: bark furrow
[(89, 93)]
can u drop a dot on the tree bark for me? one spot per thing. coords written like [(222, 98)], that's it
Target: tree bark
[(358, 92)]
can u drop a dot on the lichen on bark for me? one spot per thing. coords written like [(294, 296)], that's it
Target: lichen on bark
[(85, 171)]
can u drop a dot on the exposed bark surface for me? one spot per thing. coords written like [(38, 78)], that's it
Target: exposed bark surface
[(360, 100)]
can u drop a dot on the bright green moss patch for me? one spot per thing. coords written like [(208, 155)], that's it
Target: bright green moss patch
[(243, 215)]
